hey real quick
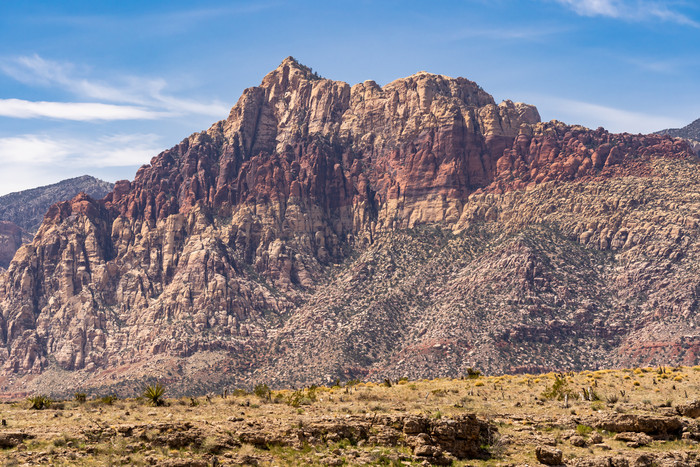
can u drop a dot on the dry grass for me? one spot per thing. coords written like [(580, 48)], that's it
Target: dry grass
[(514, 404)]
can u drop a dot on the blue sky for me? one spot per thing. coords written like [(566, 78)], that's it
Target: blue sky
[(101, 87)]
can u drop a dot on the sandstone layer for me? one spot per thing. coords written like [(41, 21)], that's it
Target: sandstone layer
[(324, 231)]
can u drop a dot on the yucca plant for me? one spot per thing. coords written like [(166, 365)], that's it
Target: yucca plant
[(154, 394), (39, 402)]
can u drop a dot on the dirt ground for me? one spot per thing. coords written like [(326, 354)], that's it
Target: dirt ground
[(633, 417)]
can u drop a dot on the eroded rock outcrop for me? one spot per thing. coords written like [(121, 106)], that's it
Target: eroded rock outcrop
[(225, 244)]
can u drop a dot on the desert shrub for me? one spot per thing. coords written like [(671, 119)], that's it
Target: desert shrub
[(612, 399), (298, 398), (262, 390), (368, 396), (80, 397), (108, 399), (597, 406), (472, 373), (559, 389), (154, 394), (590, 395), (583, 430), (39, 402)]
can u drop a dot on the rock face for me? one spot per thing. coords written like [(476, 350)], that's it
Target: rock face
[(325, 231), (648, 424), (21, 213)]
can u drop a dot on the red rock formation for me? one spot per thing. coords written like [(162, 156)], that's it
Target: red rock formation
[(223, 239)]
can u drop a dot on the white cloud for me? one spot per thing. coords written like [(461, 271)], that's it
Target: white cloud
[(107, 151), (146, 93), (593, 7), (79, 111), (595, 115), (635, 10)]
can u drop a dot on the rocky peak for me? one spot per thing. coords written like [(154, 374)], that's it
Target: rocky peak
[(290, 71)]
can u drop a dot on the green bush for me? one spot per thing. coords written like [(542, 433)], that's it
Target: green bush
[(298, 398), (559, 390), (472, 373), (39, 402), (263, 391), (108, 400)]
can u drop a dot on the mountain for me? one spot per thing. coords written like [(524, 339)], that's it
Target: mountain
[(323, 231), (21, 213), (691, 132), (27, 208)]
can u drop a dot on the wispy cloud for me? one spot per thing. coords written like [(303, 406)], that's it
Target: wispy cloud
[(78, 111), (148, 94), (634, 10), (595, 115), (506, 34), (107, 151)]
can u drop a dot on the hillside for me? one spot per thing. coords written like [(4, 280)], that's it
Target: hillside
[(325, 232)]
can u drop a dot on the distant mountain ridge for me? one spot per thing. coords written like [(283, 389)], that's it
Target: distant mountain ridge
[(11, 238), (690, 132), (27, 208)]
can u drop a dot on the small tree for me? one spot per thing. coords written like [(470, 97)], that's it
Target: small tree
[(263, 391)]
